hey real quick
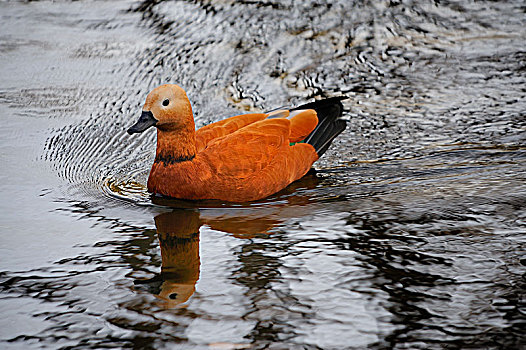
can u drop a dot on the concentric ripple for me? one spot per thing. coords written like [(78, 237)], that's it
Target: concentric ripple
[(405, 93)]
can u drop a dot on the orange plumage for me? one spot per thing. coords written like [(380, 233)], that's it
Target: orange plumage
[(242, 158)]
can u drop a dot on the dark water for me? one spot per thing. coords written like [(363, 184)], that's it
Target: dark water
[(409, 235)]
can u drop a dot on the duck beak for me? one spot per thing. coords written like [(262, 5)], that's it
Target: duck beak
[(145, 121)]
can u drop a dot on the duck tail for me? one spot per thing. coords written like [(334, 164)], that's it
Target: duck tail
[(330, 124)]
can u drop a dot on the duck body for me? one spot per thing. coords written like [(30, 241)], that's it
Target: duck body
[(251, 163), (239, 159)]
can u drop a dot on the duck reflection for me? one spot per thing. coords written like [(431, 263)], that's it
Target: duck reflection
[(178, 233)]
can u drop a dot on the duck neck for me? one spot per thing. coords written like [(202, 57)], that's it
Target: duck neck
[(175, 146)]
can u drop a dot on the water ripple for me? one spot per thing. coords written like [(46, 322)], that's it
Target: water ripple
[(409, 234)]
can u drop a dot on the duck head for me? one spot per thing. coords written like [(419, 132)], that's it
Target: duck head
[(167, 108)]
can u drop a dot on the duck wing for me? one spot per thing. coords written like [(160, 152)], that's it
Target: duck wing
[(247, 150), (302, 123), (219, 129)]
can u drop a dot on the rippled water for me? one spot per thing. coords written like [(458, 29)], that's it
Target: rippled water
[(409, 234)]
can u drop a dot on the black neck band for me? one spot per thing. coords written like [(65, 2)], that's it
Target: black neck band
[(172, 160)]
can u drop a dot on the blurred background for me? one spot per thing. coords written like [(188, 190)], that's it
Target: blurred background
[(409, 233)]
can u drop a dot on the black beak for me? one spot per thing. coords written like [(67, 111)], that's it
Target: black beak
[(145, 121)]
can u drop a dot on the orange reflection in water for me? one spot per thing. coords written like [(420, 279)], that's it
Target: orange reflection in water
[(178, 233)]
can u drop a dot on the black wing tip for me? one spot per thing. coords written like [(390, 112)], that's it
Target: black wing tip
[(322, 144), (330, 121), (330, 125)]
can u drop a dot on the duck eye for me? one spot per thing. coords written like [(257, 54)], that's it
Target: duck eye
[(166, 102)]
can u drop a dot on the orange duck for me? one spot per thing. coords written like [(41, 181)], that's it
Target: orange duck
[(239, 159)]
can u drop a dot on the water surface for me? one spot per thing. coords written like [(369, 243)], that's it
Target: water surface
[(409, 234)]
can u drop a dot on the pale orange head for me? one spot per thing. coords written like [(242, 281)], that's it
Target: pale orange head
[(167, 108)]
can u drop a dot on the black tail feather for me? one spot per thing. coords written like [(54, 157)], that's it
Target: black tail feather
[(329, 126)]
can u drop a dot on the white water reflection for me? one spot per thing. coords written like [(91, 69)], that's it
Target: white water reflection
[(409, 235)]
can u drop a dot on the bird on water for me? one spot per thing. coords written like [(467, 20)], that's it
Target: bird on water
[(238, 159)]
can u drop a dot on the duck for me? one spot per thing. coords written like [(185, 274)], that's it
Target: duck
[(243, 158)]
